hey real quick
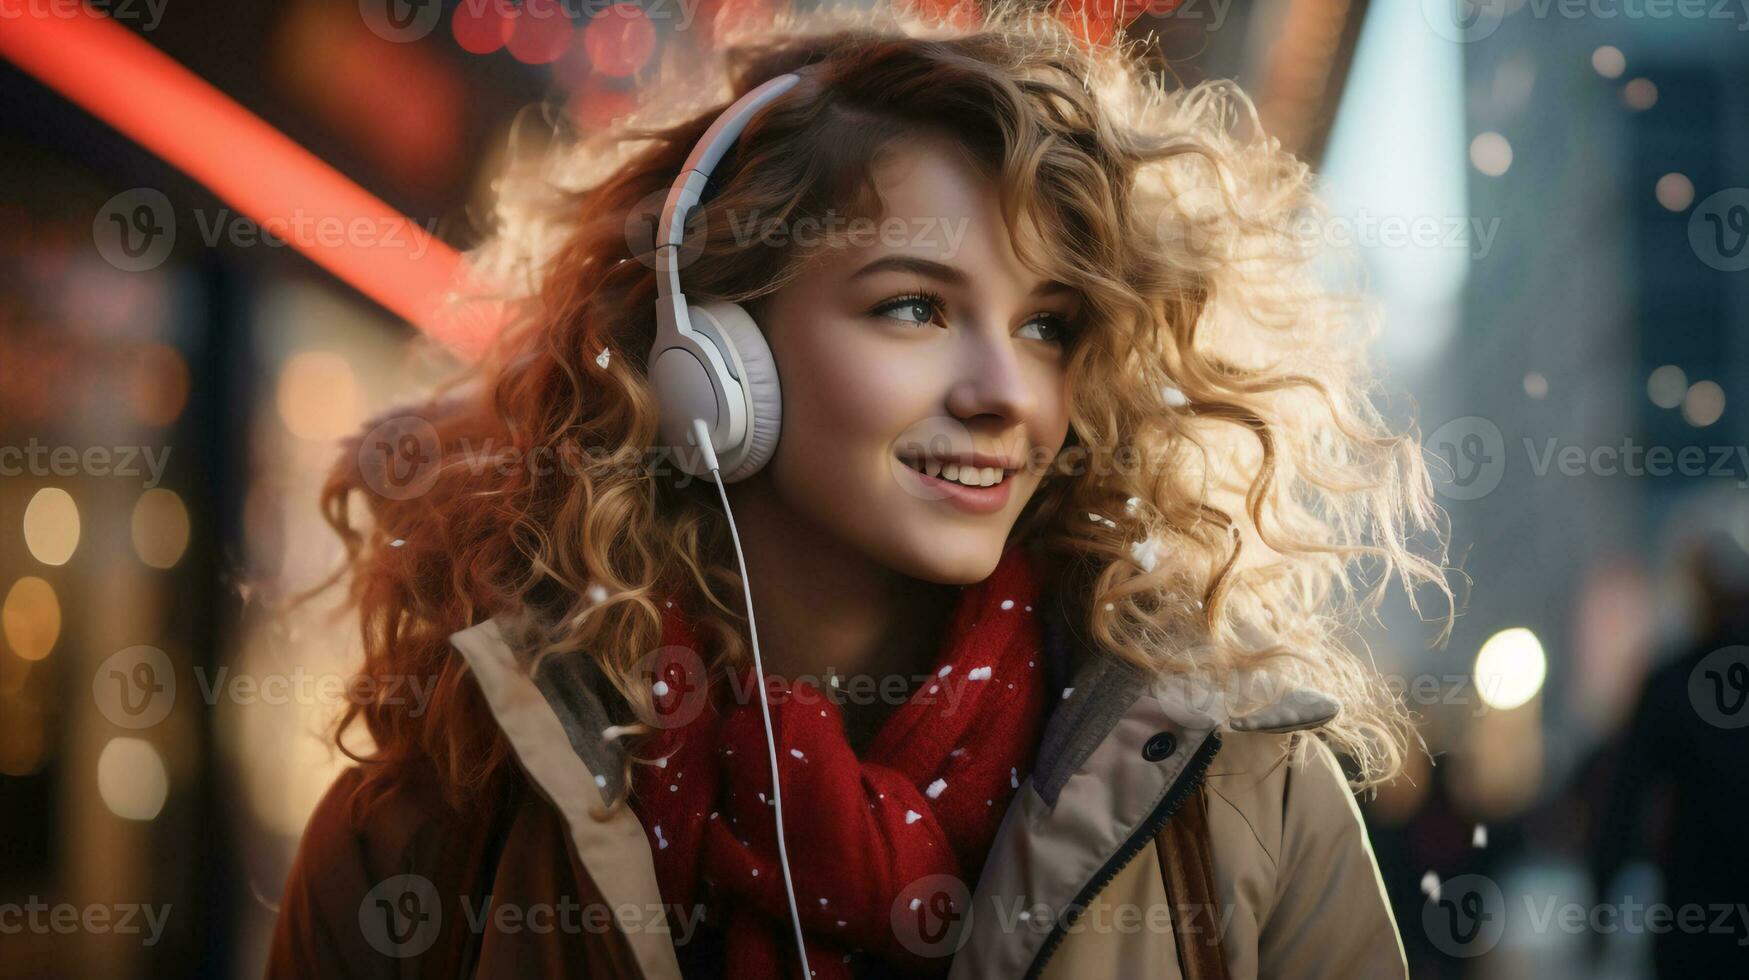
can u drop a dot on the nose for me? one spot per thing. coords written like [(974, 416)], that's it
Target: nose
[(991, 379)]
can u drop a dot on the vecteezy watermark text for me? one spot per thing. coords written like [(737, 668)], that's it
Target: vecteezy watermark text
[(402, 916), (122, 10), (1472, 455), (35, 459), (38, 917), (136, 230)]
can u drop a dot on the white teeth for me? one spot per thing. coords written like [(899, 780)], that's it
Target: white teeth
[(971, 476)]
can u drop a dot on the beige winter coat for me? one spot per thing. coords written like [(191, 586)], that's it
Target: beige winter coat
[(1073, 886)]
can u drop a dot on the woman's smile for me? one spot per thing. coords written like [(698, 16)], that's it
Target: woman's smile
[(977, 483)]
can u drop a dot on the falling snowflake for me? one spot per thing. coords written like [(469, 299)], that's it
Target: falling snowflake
[(943, 672), (1007, 603), (660, 689), (797, 753), (1430, 885), (596, 594), (1146, 553), (1013, 778), (603, 357), (1480, 837), (978, 674), (601, 781), (912, 816), (1066, 692), (935, 788)]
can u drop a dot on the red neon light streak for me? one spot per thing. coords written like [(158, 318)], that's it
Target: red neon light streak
[(124, 81)]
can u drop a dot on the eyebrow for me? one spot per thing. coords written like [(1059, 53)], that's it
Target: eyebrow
[(946, 273)]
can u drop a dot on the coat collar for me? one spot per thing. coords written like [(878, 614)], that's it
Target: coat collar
[(1117, 757)]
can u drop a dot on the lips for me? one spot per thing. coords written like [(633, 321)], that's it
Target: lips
[(971, 470), (973, 500)]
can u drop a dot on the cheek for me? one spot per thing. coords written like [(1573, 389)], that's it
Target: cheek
[(849, 395)]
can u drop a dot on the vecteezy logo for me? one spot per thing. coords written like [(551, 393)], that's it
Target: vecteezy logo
[(135, 230), (135, 688), (942, 435), (1718, 687), (641, 231), (401, 916), (399, 458), (1465, 916), (933, 915), (1462, 21), (1473, 454), (1718, 230), (401, 21)]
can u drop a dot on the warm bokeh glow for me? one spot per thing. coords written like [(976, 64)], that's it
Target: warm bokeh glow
[(1510, 668), (160, 527), (31, 617), (131, 778), (51, 526)]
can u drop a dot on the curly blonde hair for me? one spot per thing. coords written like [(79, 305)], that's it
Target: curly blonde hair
[(1254, 503)]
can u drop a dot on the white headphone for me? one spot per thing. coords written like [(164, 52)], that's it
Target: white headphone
[(711, 361), (716, 387)]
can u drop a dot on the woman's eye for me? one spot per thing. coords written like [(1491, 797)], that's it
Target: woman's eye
[(922, 307), (1056, 329)]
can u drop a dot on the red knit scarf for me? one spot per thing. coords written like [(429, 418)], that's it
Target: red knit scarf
[(924, 799)]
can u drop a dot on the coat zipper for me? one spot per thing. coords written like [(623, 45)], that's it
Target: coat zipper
[(1144, 832)]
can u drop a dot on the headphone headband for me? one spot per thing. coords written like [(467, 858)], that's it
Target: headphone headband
[(689, 186)]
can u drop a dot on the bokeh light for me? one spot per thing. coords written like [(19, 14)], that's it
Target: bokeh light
[(480, 28), (1510, 668), (1639, 94), (1704, 404), (1666, 386), (51, 526), (160, 527), (131, 778), (31, 618), (540, 31), (1609, 61), (1675, 192), (1491, 154)]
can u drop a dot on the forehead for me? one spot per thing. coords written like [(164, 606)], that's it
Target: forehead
[(935, 201)]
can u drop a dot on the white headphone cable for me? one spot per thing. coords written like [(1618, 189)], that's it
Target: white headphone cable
[(701, 435)]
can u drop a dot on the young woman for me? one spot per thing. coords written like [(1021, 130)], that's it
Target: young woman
[(1052, 537)]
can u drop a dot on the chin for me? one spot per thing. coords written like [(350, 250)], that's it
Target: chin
[(949, 559)]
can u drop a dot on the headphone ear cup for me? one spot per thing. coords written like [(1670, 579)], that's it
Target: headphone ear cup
[(758, 378)]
